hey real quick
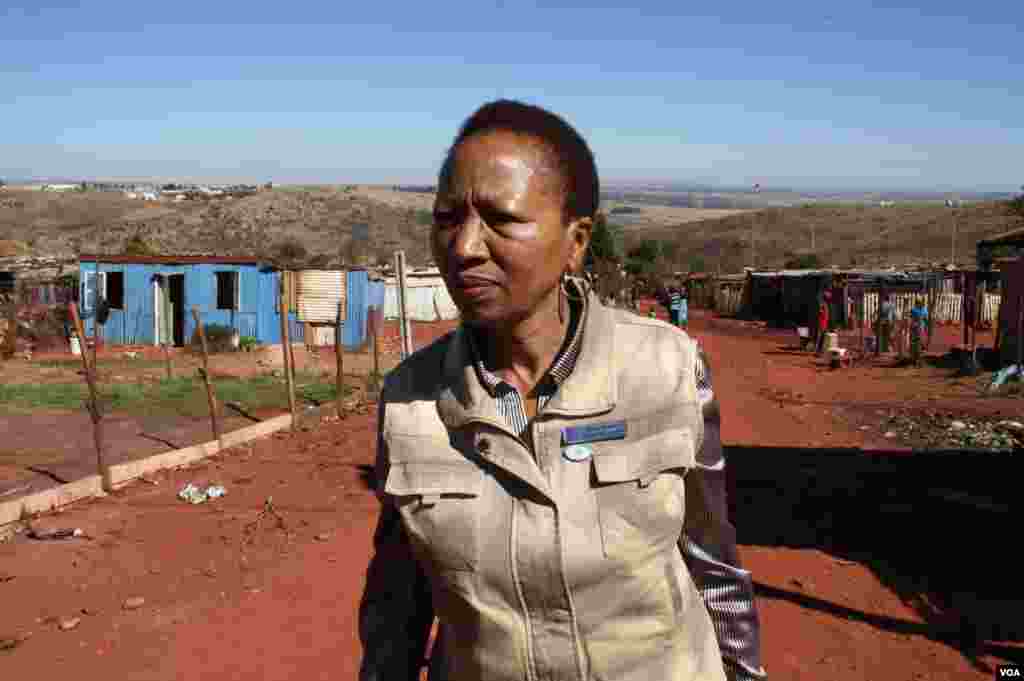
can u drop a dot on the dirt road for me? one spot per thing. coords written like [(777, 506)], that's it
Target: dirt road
[(264, 583)]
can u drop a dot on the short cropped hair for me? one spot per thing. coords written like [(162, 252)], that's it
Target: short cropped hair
[(572, 155)]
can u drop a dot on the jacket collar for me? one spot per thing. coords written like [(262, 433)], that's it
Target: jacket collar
[(589, 390)]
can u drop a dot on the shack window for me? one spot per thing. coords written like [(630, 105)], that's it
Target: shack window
[(227, 290), (114, 290)]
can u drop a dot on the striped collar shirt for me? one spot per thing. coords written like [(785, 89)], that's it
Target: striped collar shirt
[(511, 407)]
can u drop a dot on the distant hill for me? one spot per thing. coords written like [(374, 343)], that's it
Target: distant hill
[(322, 220), (843, 235)]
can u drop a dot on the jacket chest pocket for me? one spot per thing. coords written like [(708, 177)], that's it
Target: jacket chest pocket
[(640, 493), (440, 504)]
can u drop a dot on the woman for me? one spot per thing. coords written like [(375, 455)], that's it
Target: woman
[(683, 317), (918, 328), (534, 465), (823, 323), (675, 297), (886, 319)]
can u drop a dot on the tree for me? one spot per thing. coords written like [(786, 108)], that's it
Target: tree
[(1017, 203), (138, 246), (806, 261), (605, 241), (288, 254), (641, 259), (424, 217)]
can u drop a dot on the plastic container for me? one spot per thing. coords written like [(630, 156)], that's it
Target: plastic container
[(76, 346)]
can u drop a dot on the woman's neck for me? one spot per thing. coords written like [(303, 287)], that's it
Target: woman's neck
[(522, 354)]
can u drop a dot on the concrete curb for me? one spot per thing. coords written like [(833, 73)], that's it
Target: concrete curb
[(50, 499), (124, 473)]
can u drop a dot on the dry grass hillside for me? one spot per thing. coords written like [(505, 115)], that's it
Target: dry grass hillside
[(321, 220), (843, 235)]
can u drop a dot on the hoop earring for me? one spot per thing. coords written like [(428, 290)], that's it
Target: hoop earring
[(561, 299)]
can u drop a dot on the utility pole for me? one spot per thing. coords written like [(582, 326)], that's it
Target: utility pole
[(952, 242)]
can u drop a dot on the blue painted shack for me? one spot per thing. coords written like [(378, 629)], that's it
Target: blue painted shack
[(150, 298)]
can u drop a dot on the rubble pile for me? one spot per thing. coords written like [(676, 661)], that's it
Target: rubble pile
[(937, 430)]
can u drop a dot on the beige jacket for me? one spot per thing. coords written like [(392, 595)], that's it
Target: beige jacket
[(538, 566)]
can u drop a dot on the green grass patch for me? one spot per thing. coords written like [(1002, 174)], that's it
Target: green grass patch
[(184, 396)]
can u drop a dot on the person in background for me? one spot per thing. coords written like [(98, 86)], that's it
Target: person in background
[(675, 297), (886, 319), (823, 323), (684, 303), (918, 328)]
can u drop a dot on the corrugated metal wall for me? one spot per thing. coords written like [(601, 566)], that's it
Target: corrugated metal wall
[(135, 323), (259, 303), (354, 327), (318, 295), (948, 306), (427, 300)]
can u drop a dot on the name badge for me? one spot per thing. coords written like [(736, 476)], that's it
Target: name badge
[(594, 432), (577, 453)]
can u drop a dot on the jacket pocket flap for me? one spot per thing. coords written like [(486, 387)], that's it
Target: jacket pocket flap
[(432, 479), (643, 459)]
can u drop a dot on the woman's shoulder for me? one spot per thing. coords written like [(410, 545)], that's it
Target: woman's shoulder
[(422, 370), (636, 333)]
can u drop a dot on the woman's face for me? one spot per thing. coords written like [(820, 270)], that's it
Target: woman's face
[(499, 235)]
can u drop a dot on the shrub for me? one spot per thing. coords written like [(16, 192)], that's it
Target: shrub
[(218, 338)]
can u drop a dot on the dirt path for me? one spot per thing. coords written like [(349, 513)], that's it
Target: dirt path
[(231, 594)]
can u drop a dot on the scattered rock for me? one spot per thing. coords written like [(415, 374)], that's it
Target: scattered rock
[(323, 536), (889, 435), (68, 623), (134, 603), (957, 425), (12, 642)]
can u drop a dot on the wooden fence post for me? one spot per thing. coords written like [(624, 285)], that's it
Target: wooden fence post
[(1020, 331), (167, 360), (94, 405), (373, 384), (205, 373), (405, 331), (286, 352), (339, 356)]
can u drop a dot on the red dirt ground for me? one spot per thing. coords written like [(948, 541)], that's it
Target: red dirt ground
[(230, 594)]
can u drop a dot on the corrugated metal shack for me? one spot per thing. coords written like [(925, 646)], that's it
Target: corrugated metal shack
[(317, 295), (790, 298), (1006, 252), (426, 299), (150, 298)]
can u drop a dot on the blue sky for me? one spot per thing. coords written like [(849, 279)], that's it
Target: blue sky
[(859, 96)]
